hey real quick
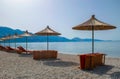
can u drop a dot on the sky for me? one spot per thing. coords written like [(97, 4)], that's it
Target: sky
[(61, 15)]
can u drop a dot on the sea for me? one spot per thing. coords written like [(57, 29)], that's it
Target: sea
[(112, 49)]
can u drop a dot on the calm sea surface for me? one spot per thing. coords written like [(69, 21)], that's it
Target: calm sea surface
[(109, 48)]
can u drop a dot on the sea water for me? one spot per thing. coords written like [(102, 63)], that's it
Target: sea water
[(112, 49)]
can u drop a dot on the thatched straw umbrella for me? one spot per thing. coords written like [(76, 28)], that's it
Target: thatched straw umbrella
[(93, 24), (47, 32), (26, 34), (14, 37), (4, 39)]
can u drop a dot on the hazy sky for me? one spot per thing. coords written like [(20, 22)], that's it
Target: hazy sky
[(61, 15)]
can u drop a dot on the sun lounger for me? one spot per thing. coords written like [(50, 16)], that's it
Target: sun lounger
[(10, 49), (7, 48), (24, 50), (3, 48)]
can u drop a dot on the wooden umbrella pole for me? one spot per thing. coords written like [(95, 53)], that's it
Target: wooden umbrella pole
[(9, 42), (47, 43), (26, 44), (4, 43), (15, 43), (0, 42), (92, 39)]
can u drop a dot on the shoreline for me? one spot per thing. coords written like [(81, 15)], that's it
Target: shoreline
[(15, 66), (86, 53)]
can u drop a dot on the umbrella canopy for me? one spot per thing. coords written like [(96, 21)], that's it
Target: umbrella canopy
[(93, 24), (47, 32), (25, 34), (15, 36), (3, 38)]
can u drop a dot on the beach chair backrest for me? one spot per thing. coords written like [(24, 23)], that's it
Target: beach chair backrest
[(21, 48)]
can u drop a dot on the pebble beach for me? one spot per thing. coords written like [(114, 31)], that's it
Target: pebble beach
[(20, 66)]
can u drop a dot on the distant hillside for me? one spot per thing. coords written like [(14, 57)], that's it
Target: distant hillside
[(76, 39), (4, 31)]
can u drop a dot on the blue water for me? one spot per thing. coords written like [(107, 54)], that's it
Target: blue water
[(112, 49)]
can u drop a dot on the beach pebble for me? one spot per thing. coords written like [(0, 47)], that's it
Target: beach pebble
[(15, 66)]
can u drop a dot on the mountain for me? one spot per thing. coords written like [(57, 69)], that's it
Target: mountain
[(76, 39), (4, 31)]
